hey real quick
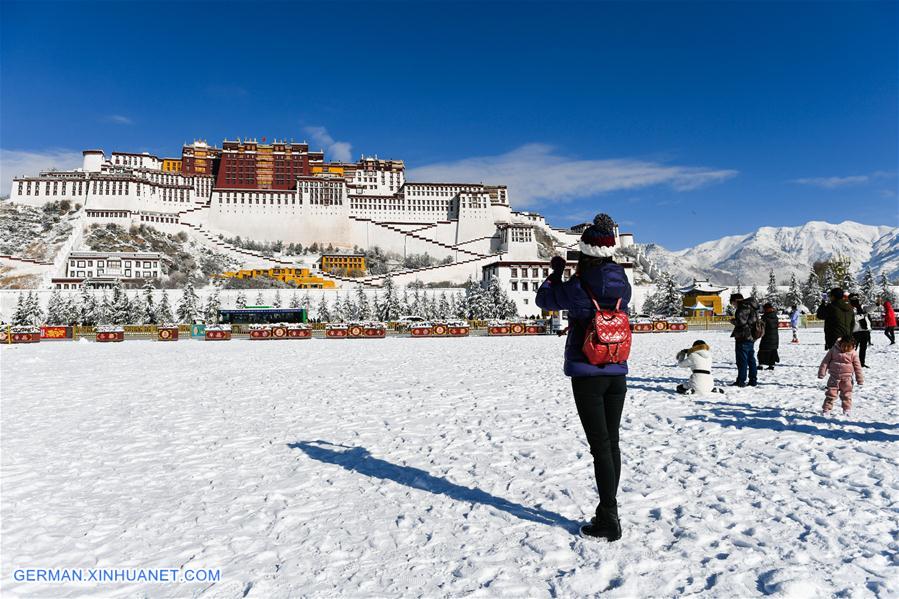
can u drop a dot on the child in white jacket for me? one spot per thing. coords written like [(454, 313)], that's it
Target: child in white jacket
[(698, 359)]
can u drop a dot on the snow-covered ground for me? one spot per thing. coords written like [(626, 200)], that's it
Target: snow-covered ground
[(437, 467)]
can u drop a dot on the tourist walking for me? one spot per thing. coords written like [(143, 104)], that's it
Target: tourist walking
[(861, 327), (837, 315), (746, 331), (889, 320), (770, 339), (795, 317), (599, 390)]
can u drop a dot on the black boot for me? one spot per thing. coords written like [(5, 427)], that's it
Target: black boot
[(604, 525)]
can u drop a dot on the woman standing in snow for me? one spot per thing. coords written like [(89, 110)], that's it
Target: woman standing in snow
[(770, 340), (599, 391), (861, 328), (889, 320)]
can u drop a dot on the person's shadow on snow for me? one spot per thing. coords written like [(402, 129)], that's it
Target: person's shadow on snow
[(781, 419), (358, 459)]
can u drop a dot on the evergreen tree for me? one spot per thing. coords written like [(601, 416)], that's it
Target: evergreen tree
[(213, 305), (868, 288), (772, 295), (136, 314), (20, 314), (672, 298), (829, 277), (259, 301), (104, 310), (362, 306), (886, 293), (391, 308), (72, 310), (306, 302), (164, 310), (350, 309), (754, 292), (276, 303), (89, 310), (56, 308), (443, 307), (405, 307), (322, 313), (120, 307), (794, 293), (148, 305), (337, 309), (415, 307), (739, 286), (294, 301), (240, 302), (189, 306), (811, 291)]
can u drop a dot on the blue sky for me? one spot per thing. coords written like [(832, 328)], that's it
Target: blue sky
[(685, 121)]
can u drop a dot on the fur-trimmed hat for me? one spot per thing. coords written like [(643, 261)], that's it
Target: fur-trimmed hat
[(698, 345), (598, 240)]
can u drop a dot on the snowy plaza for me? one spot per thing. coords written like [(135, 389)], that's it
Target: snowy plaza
[(438, 467)]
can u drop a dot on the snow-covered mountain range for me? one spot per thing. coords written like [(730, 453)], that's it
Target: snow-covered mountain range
[(786, 250)]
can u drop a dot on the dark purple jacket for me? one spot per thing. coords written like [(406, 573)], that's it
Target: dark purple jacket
[(608, 283)]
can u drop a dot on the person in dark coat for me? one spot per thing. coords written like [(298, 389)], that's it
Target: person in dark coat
[(837, 315), (770, 340), (861, 327), (746, 315), (599, 391)]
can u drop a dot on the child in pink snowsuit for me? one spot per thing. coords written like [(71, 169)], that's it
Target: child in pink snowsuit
[(842, 363)]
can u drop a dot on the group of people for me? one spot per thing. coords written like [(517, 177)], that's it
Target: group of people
[(599, 390)]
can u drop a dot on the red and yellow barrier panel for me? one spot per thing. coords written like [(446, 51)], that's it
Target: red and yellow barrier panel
[(167, 333), (374, 331), (217, 333), (260, 332), (279, 332), (498, 329), (678, 325), (299, 332), (336, 331), (56, 332), (642, 327), (110, 334), (421, 330), (21, 334)]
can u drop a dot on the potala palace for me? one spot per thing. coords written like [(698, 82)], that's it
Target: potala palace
[(283, 191)]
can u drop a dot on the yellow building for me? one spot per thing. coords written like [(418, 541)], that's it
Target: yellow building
[(702, 295), (171, 165), (300, 277), (329, 169), (343, 262)]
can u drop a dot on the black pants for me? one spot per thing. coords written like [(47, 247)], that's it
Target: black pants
[(891, 335), (862, 339), (600, 401)]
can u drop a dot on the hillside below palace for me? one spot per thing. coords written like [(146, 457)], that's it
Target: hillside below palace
[(283, 191)]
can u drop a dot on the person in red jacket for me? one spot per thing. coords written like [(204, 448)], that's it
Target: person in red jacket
[(889, 320)]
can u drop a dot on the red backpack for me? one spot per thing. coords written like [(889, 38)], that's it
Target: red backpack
[(608, 338)]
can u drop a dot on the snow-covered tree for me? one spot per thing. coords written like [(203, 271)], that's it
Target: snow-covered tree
[(772, 295), (260, 300), (885, 292), (276, 303), (337, 309), (213, 305), (666, 300), (119, 306), (56, 308), (148, 305), (754, 292), (811, 291), (189, 306), (164, 310), (350, 309), (322, 312), (294, 301), (868, 288), (405, 302), (306, 302), (20, 314), (793, 296), (136, 309), (390, 305), (104, 309), (89, 311), (828, 277), (240, 301), (363, 308), (72, 310), (443, 306)]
